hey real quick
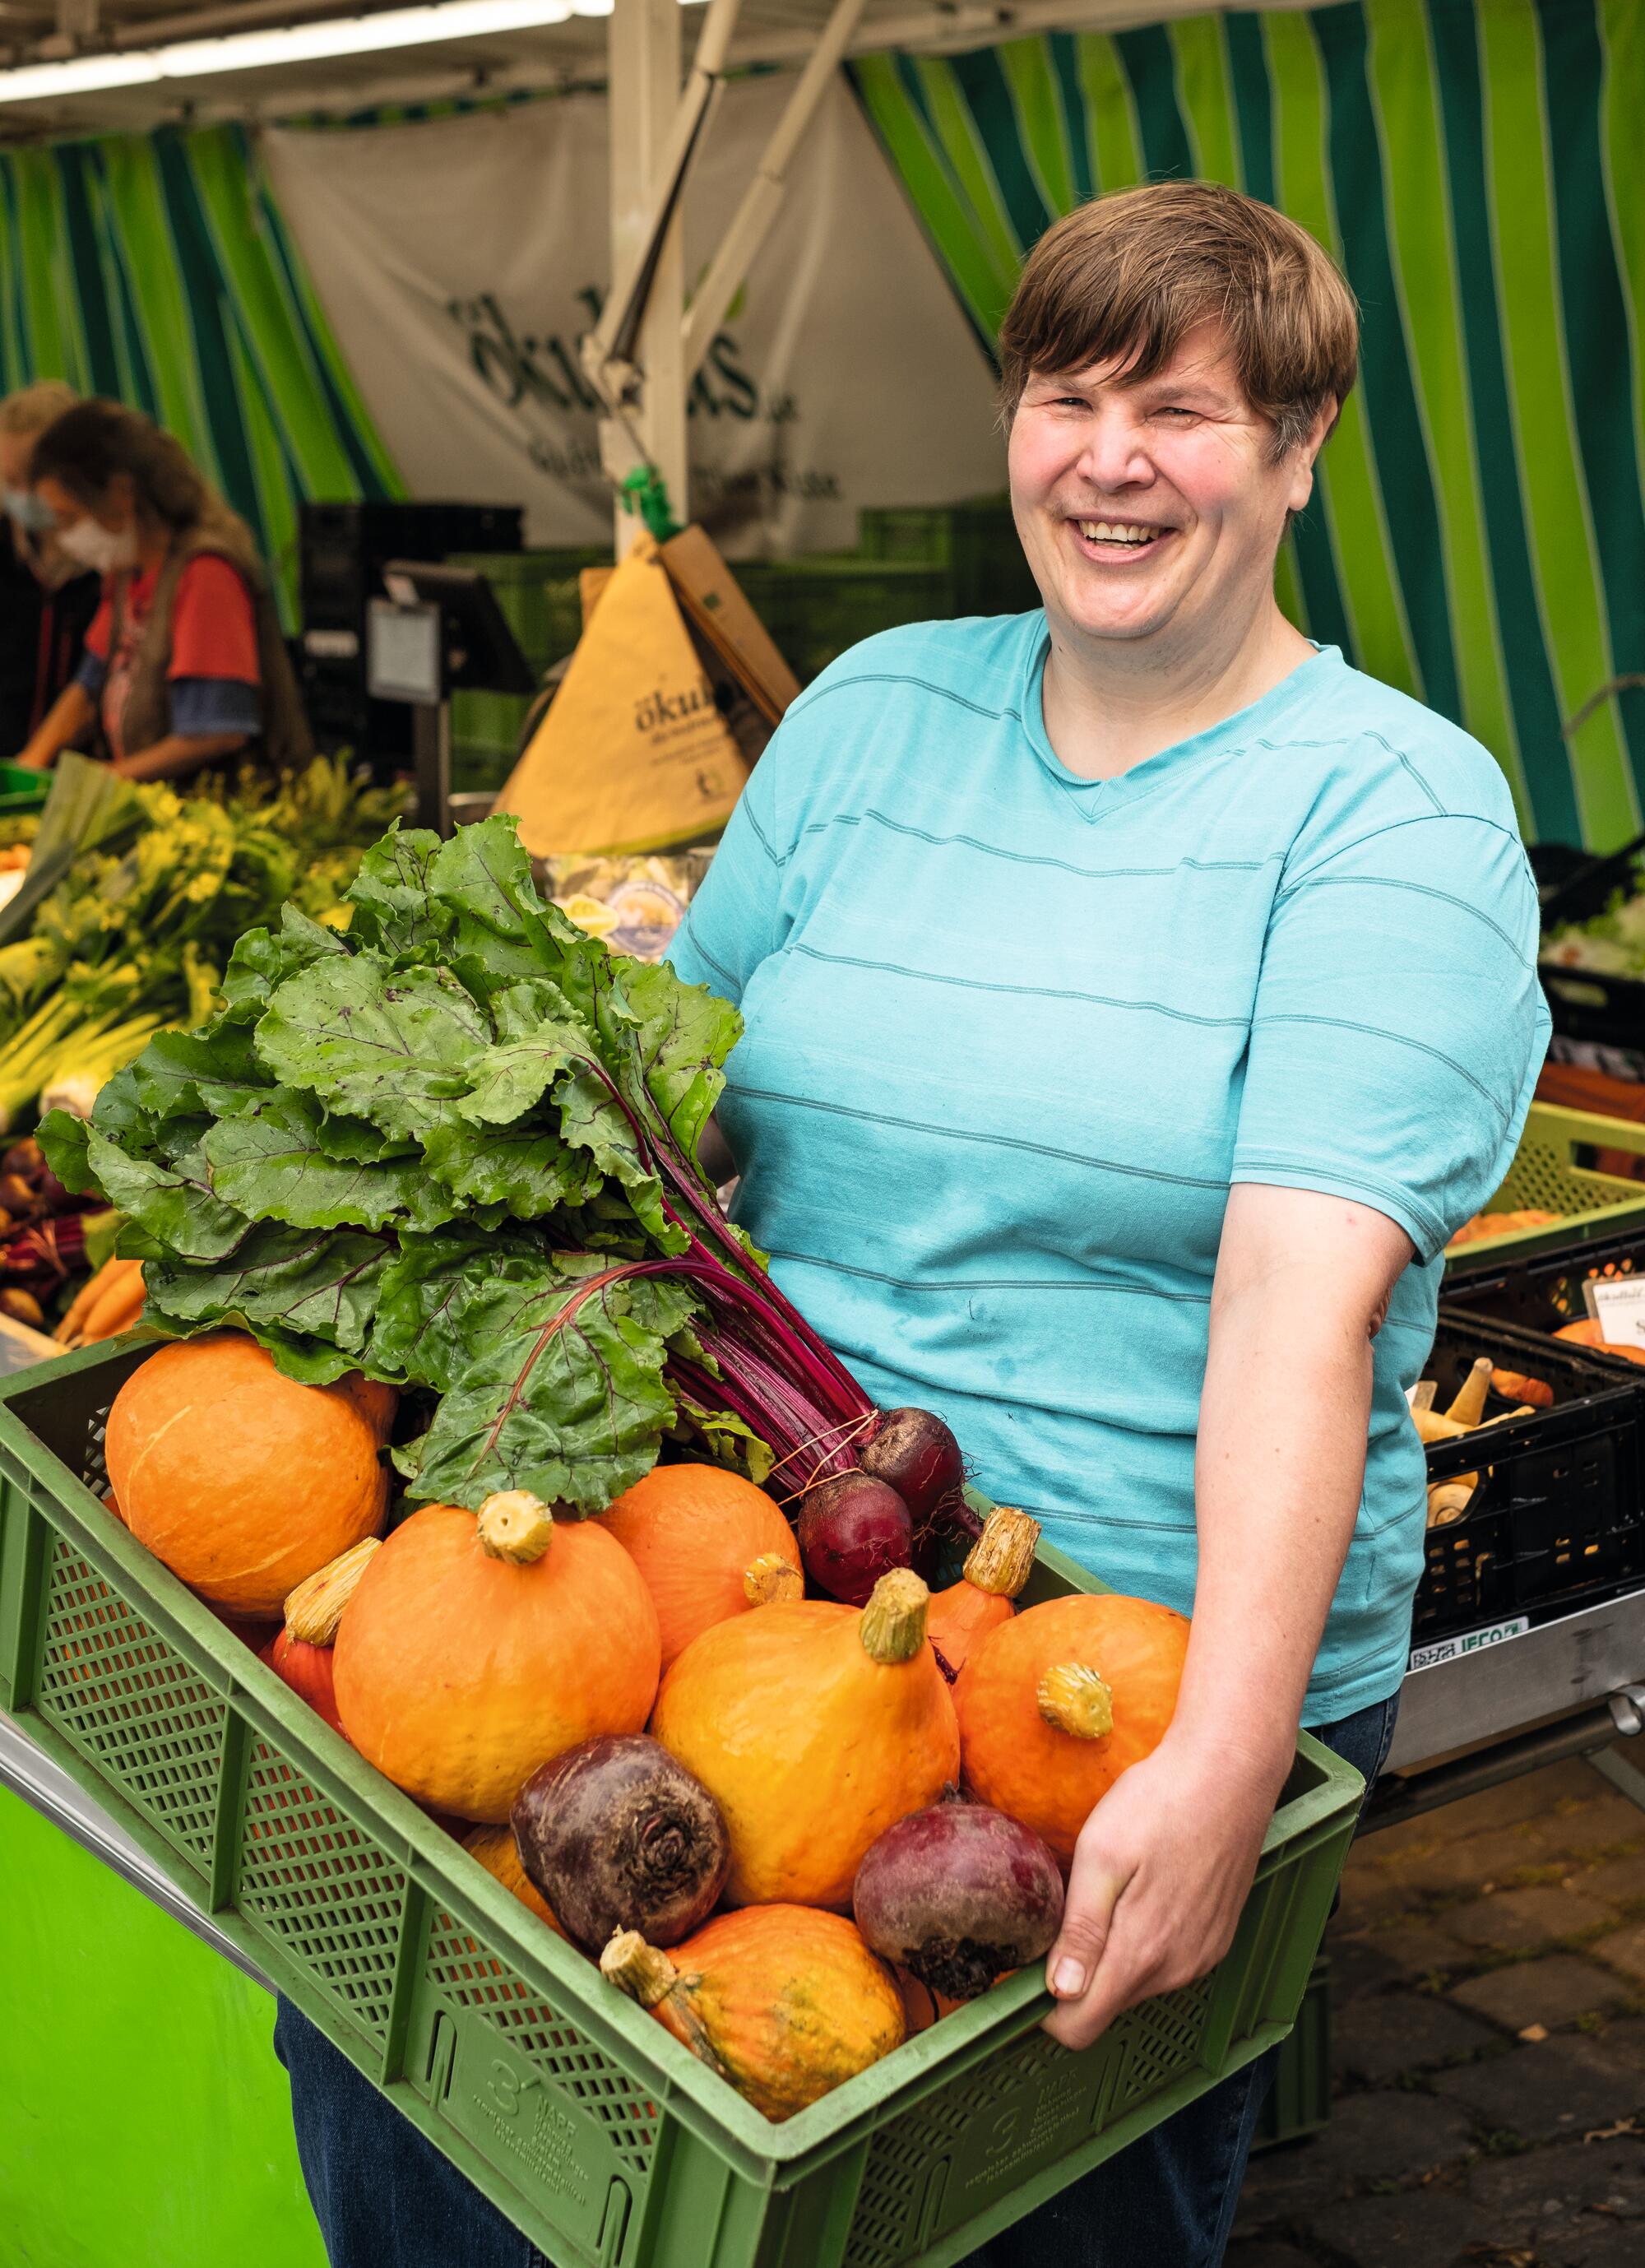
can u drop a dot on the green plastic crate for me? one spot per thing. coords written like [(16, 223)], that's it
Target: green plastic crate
[(1546, 1174), (1298, 2103), (599, 2136), (22, 790)]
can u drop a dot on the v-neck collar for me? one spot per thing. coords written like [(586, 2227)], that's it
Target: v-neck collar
[(1095, 799)]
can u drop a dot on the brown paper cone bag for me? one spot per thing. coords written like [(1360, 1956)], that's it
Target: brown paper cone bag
[(633, 754)]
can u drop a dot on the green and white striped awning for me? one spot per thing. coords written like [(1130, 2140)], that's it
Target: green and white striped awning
[(155, 269), (1478, 166)]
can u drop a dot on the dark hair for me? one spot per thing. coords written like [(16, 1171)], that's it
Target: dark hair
[(1126, 278), (84, 448)]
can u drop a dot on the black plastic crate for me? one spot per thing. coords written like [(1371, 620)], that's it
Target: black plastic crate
[(1603, 1011), (1542, 1292), (1558, 1519)]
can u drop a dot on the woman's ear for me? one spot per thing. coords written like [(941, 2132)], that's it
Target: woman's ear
[(119, 498), (1308, 451)]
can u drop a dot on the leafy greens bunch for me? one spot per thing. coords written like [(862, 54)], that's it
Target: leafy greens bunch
[(456, 1148)]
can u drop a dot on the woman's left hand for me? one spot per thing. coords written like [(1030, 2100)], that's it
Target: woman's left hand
[(1160, 1874)]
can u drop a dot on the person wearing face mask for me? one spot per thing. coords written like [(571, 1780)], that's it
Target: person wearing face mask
[(47, 602), (184, 665)]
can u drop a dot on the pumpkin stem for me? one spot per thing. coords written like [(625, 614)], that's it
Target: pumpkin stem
[(515, 1525), (772, 1578), (892, 1624), (1002, 1557), (641, 1970), (1075, 1699), (314, 1610)]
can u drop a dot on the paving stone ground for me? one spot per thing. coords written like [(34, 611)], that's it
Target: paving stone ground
[(1488, 2050)]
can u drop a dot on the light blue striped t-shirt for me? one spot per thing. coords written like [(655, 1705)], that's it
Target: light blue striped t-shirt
[(1010, 1034)]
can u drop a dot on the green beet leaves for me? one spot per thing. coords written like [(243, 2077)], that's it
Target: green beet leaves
[(430, 1149)]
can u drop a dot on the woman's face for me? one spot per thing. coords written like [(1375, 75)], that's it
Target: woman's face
[(1148, 509), (115, 511)]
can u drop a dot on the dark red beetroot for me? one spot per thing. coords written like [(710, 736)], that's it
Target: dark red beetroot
[(854, 1529), (616, 1835), (958, 1894), (914, 1453)]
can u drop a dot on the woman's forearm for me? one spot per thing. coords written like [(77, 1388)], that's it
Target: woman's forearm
[(179, 754), (62, 725)]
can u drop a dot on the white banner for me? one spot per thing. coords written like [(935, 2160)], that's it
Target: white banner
[(459, 259)]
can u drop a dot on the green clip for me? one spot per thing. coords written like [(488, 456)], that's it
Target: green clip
[(645, 491)]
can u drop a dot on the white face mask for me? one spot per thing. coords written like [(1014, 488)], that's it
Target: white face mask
[(25, 510), (106, 550)]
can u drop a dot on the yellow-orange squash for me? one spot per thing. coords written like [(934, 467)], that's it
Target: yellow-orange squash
[(814, 1727), (997, 1565), (498, 1853), (476, 1649), (1063, 1698), (782, 2001), (243, 1482), (710, 1545)]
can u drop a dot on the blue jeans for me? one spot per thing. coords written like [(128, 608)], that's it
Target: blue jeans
[(386, 2198)]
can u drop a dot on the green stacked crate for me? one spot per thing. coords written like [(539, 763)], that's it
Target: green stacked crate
[(975, 542), (537, 593)]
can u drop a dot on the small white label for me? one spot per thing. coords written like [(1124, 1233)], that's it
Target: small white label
[(1453, 1649), (1619, 1304)]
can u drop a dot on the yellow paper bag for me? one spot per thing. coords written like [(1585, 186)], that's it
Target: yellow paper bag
[(633, 754)]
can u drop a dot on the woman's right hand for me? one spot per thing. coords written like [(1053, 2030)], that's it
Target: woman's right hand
[(35, 760)]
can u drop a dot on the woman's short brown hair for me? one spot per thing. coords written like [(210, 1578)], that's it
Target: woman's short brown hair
[(1127, 278), (86, 448)]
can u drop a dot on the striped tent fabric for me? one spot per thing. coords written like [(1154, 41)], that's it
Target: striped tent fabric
[(155, 269), (1478, 167)]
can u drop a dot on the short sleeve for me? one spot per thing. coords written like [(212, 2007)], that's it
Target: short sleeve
[(214, 630), (735, 920), (203, 706), (1399, 1026)]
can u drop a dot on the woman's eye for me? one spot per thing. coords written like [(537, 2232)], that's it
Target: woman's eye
[(1173, 410)]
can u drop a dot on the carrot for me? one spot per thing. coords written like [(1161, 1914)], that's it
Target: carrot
[(117, 1305), (80, 1305), (1588, 1333)]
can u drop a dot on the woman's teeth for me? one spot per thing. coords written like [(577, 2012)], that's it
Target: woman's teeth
[(1108, 531)]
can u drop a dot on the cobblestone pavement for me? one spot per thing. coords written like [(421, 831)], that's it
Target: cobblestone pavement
[(1488, 2006)]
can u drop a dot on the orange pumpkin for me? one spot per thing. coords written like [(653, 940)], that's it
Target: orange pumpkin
[(301, 1654), (308, 1670), (782, 2001), (710, 1545), (814, 1727), (498, 1853), (477, 1648), (1590, 1332), (1062, 1700), (997, 1565), (376, 1402), (243, 1482)]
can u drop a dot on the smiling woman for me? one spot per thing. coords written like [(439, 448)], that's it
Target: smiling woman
[(1135, 999)]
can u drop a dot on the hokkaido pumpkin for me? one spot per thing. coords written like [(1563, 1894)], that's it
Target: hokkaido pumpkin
[(477, 1648), (814, 1727), (1590, 1332), (243, 1482), (710, 1545), (783, 2002), (498, 1853), (997, 1565), (301, 1652), (1063, 1698)]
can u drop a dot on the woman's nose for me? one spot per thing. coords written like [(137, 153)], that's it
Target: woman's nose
[(1114, 457)]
